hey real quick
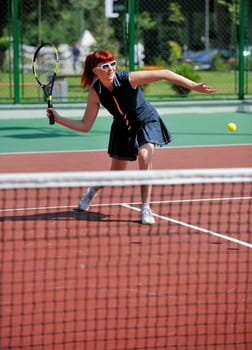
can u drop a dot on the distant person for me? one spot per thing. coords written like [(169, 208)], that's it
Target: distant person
[(137, 127), (76, 57)]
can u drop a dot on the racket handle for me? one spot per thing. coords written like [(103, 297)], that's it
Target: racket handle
[(50, 105)]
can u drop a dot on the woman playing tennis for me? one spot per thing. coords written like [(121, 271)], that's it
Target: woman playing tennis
[(137, 127)]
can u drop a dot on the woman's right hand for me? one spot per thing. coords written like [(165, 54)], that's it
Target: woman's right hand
[(52, 112)]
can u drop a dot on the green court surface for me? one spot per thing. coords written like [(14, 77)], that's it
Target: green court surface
[(36, 135)]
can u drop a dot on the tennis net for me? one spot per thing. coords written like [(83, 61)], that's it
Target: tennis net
[(101, 280)]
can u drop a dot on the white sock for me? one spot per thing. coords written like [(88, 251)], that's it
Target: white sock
[(145, 206)]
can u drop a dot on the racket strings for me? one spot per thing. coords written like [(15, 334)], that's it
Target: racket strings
[(45, 64)]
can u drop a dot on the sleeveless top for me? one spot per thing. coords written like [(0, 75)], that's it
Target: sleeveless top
[(136, 121)]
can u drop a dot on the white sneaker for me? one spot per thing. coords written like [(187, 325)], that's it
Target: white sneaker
[(147, 217), (87, 197)]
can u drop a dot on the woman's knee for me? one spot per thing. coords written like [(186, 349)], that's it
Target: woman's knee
[(145, 153), (146, 150)]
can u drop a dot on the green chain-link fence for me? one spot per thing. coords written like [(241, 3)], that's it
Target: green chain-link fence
[(209, 40)]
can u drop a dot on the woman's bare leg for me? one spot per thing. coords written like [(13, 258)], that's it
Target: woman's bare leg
[(117, 164), (145, 154), (90, 194)]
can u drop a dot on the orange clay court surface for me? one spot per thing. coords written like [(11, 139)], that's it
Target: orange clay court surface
[(177, 288)]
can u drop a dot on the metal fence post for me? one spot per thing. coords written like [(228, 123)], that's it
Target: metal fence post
[(131, 34), (241, 49), (15, 31)]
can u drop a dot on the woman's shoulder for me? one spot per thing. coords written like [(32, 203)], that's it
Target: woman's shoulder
[(93, 95)]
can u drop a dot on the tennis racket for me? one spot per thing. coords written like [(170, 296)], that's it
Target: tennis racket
[(45, 67)]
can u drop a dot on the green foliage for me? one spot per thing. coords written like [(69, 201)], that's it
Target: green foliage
[(187, 71), (84, 4), (175, 32), (67, 22), (175, 52), (145, 21), (249, 65), (159, 62), (4, 44), (176, 15), (219, 64)]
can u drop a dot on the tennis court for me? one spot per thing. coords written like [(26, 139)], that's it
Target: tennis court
[(199, 140), (100, 279)]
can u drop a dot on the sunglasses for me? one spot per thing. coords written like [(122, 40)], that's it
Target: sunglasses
[(106, 66)]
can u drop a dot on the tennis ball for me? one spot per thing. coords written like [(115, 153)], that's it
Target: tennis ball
[(231, 127)]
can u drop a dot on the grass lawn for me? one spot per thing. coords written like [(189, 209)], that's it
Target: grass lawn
[(225, 83)]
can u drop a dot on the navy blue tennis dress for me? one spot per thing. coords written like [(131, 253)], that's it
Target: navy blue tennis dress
[(136, 121)]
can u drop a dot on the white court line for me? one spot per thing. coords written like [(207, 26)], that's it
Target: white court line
[(197, 228), (105, 149), (125, 204)]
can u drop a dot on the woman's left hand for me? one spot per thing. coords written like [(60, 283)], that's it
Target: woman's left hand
[(204, 88)]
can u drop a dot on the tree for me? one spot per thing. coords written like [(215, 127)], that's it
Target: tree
[(3, 15)]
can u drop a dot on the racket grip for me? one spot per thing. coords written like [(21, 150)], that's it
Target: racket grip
[(51, 117), (51, 120)]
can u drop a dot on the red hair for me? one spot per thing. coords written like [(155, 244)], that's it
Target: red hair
[(92, 60)]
